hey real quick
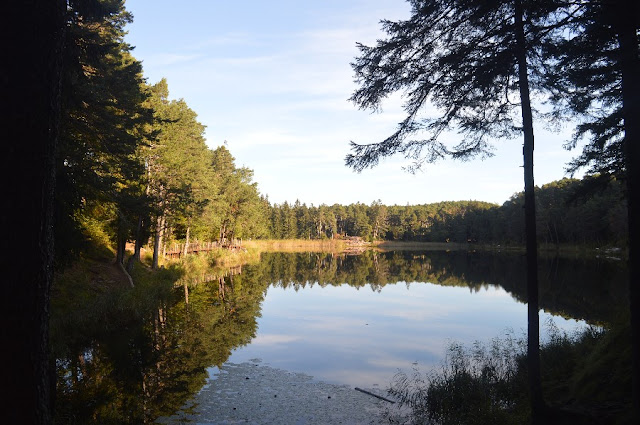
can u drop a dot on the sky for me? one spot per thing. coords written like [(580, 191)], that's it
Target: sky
[(272, 80)]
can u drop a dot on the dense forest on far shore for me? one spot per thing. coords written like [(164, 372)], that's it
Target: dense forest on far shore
[(569, 211), (97, 156), (133, 166)]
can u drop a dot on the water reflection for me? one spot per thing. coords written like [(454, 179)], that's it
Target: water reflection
[(154, 357), (345, 319), (590, 289)]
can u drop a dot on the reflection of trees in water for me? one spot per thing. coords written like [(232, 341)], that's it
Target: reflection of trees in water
[(147, 359), (137, 370), (581, 288)]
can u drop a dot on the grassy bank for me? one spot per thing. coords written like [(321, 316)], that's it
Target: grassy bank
[(93, 296), (297, 245), (94, 291), (216, 258)]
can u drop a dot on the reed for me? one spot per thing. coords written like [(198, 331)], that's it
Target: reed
[(586, 379), (297, 245)]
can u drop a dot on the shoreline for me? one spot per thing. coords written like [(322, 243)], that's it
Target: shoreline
[(351, 247)]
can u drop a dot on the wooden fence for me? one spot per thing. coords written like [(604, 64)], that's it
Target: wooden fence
[(177, 250)]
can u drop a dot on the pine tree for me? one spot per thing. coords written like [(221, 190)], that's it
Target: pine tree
[(102, 118), (597, 80), (178, 166), (477, 62)]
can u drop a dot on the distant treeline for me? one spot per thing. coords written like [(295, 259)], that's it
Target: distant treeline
[(569, 211), (133, 166)]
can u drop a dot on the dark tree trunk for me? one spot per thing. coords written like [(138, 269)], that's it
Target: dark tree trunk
[(223, 233), (626, 24), (533, 328), (30, 79), (138, 245)]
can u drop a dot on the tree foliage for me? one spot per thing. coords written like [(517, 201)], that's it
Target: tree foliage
[(586, 85), (103, 115), (459, 57), (478, 63), (569, 212)]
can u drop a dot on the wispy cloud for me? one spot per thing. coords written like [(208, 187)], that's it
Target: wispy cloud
[(276, 84), (228, 39), (166, 59)]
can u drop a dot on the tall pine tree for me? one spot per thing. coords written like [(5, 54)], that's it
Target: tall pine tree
[(478, 63)]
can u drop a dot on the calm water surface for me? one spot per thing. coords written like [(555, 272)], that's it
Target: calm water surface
[(353, 320), (362, 336)]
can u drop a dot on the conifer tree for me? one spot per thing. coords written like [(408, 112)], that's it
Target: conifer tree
[(240, 209), (177, 164), (102, 117), (477, 62), (597, 81)]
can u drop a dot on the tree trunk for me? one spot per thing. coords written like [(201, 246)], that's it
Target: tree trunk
[(533, 328), (223, 233), (121, 246), (157, 240), (121, 243), (30, 80), (626, 23), (166, 235), (138, 245), (141, 235), (186, 242)]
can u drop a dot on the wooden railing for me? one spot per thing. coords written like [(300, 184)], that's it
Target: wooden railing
[(177, 250)]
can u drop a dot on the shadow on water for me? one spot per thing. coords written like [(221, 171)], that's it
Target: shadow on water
[(130, 356)]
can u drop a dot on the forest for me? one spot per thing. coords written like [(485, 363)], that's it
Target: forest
[(134, 162), (568, 212), (113, 155)]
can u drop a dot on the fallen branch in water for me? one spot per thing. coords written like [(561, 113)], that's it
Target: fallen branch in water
[(374, 395)]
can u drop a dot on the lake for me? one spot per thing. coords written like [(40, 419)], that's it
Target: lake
[(343, 319)]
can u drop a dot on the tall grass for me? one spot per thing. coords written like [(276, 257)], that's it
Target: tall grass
[(475, 385), (297, 245), (226, 258), (585, 375), (216, 258), (87, 302)]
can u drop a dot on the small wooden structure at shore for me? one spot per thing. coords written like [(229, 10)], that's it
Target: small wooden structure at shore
[(355, 245), (177, 250)]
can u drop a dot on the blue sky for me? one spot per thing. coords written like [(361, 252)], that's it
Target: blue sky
[(272, 79)]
